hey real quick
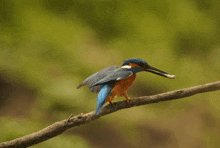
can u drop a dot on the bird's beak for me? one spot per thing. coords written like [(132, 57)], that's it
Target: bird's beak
[(159, 72)]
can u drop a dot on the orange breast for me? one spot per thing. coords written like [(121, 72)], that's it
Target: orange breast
[(122, 86)]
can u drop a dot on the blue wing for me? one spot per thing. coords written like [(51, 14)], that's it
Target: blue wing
[(90, 81), (103, 94), (118, 74)]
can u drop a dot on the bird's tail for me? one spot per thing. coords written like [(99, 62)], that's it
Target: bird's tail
[(103, 94)]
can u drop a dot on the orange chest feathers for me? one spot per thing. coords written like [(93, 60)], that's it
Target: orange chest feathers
[(123, 85)]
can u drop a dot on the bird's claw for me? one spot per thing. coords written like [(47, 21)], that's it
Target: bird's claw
[(128, 99), (111, 102)]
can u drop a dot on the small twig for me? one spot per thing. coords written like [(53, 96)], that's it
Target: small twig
[(68, 120), (61, 126)]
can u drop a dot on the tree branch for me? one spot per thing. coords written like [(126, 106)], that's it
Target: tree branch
[(58, 128)]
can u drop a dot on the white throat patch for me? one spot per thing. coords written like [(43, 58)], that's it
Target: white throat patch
[(126, 67)]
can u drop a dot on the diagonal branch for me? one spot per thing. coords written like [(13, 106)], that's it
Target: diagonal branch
[(61, 126)]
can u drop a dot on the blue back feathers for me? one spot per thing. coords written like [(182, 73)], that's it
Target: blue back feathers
[(90, 81), (118, 74), (103, 94)]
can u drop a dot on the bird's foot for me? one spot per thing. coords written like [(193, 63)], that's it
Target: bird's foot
[(128, 98), (111, 102)]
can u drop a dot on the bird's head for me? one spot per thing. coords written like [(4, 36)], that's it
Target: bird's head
[(138, 65)]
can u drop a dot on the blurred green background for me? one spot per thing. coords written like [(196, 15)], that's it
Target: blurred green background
[(48, 47)]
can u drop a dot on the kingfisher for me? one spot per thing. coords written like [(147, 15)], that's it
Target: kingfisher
[(112, 81)]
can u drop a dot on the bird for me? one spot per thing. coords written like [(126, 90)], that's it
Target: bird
[(112, 81)]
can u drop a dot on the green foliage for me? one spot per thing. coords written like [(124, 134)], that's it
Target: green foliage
[(48, 47)]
